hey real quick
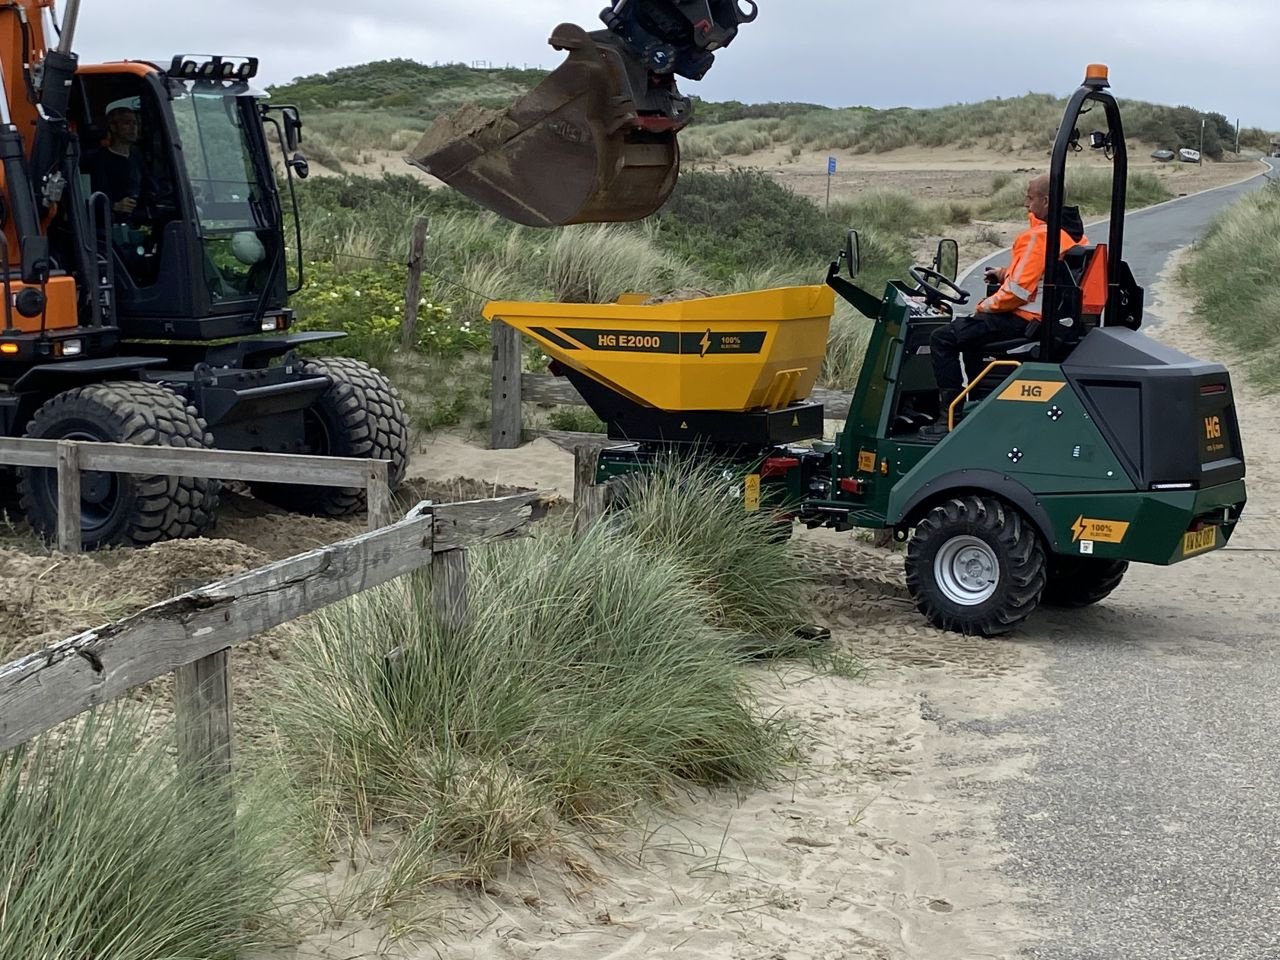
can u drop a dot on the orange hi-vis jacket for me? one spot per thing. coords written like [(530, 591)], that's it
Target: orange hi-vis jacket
[(1019, 294)]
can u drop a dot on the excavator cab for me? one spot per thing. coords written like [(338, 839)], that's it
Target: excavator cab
[(161, 152), (596, 140)]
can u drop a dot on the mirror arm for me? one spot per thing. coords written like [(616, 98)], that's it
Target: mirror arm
[(859, 299)]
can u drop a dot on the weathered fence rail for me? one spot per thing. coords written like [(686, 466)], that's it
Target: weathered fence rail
[(71, 458), (191, 634), (512, 389)]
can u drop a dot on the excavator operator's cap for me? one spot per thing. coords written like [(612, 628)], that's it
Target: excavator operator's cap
[(1097, 75), (127, 103)]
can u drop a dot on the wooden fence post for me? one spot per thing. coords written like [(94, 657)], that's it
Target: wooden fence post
[(202, 705), (505, 399), (450, 573), (68, 497), (413, 291), (588, 496), (378, 496)]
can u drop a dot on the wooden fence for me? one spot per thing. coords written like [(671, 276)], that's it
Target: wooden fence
[(72, 457), (192, 634), (512, 388)]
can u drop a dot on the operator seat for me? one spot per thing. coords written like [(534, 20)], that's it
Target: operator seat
[(1082, 278)]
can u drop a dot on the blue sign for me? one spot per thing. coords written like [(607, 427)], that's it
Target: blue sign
[(831, 165)]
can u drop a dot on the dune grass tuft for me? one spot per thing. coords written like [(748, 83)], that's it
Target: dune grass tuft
[(588, 678), (107, 852)]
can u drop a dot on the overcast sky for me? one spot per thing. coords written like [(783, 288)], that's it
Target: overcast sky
[(1216, 55)]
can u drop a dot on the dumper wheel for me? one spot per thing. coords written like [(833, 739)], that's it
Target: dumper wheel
[(1081, 581), (116, 508), (975, 565), (360, 415)]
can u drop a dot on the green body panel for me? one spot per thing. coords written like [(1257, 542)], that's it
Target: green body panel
[(1144, 528), (1047, 445)]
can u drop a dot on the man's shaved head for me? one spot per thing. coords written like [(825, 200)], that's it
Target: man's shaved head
[(1037, 200)]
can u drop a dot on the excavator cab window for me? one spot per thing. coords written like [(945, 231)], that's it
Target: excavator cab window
[(238, 229)]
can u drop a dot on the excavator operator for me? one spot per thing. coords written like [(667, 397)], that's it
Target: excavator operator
[(1005, 314), (118, 169)]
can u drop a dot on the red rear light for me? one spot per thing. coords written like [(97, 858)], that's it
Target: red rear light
[(1212, 389), (777, 467), (852, 485)]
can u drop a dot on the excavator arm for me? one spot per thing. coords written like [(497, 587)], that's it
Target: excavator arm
[(595, 142)]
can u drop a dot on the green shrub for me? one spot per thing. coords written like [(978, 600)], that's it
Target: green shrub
[(368, 304), (739, 221), (106, 852)]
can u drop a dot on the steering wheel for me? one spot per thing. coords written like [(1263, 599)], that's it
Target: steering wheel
[(934, 296)]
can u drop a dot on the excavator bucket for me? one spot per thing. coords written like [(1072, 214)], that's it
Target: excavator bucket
[(575, 149)]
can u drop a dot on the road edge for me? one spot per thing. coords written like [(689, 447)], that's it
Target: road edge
[(1268, 168)]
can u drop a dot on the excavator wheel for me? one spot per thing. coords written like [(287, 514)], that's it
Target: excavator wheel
[(360, 415), (575, 149), (116, 508)]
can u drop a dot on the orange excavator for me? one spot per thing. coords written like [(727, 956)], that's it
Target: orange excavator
[(596, 141), (148, 271)]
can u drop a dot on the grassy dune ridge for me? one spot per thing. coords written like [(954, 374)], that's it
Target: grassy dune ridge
[(1232, 274), (387, 104)]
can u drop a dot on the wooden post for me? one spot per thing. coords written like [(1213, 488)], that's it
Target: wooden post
[(450, 573), (68, 497), (505, 400), (588, 496), (378, 496), (413, 291), (202, 705)]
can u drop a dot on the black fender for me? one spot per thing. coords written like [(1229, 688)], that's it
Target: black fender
[(51, 378), (986, 482)]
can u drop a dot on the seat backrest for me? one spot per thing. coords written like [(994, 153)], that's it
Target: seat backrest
[(1093, 286)]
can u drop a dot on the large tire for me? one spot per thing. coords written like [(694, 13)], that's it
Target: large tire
[(122, 509), (975, 566), (360, 415), (1076, 582)]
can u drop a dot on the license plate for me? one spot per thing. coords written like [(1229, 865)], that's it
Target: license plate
[(1199, 541), (751, 494)]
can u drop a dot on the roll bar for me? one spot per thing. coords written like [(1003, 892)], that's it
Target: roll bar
[(1095, 89)]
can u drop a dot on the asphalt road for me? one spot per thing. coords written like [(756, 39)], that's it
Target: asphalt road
[(1151, 235), (1148, 826)]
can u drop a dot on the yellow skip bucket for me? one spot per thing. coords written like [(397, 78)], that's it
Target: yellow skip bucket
[(747, 351)]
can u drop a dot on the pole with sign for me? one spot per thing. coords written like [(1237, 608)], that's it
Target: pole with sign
[(831, 169)]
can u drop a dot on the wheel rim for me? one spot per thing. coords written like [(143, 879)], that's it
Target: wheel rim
[(967, 571), (100, 492)]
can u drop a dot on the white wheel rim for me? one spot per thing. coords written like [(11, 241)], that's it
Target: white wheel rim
[(967, 571)]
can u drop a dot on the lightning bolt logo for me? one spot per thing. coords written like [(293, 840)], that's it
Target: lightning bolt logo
[(1078, 528), (705, 342)]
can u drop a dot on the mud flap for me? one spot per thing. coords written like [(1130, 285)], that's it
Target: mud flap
[(575, 149)]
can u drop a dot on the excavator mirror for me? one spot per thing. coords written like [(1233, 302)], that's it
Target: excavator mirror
[(292, 128), (853, 254), (947, 259)]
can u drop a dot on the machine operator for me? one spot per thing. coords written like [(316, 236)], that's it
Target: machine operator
[(118, 169), (1003, 315)]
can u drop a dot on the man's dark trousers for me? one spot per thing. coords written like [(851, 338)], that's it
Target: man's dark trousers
[(966, 336)]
